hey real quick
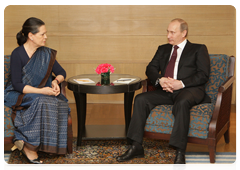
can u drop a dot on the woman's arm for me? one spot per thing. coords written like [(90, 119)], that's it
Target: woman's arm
[(16, 65), (59, 71), (60, 76), (45, 90)]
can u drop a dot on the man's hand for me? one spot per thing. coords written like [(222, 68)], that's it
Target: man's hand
[(164, 82), (170, 84), (175, 84)]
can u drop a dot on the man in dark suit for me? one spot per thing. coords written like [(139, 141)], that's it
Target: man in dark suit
[(180, 69)]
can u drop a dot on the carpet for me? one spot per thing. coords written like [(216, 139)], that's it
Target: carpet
[(105, 152)]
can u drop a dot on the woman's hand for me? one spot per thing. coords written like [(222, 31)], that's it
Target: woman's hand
[(45, 90), (49, 91), (55, 87)]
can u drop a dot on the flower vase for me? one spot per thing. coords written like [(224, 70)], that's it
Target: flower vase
[(105, 78)]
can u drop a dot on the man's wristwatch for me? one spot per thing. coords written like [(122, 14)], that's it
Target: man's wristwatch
[(157, 81)]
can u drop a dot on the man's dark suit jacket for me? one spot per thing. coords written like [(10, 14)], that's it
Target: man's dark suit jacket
[(193, 68)]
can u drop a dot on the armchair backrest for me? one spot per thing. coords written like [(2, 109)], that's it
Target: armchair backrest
[(6, 69), (219, 72)]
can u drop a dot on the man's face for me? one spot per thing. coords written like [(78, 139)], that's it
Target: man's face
[(174, 34)]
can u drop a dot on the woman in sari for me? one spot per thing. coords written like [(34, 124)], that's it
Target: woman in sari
[(40, 112)]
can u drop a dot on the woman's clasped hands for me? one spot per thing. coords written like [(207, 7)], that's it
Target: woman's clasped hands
[(52, 91)]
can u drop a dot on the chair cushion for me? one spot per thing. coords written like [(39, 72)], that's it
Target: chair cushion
[(161, 120), (8, 126)]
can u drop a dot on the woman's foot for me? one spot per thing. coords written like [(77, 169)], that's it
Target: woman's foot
[(32, 156)]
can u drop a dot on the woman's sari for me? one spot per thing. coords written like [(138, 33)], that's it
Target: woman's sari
[(39, 120)]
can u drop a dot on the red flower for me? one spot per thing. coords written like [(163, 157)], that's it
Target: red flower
[(98, 84), (104, 68)]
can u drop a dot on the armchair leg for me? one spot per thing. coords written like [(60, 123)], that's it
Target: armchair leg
[(226, 136), (69, 135), (212, 153)]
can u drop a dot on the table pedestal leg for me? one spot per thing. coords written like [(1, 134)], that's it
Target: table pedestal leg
[(80, 99), (128, 98)]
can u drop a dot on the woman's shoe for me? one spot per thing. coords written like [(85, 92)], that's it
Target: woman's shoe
[(35, 161), (19, 145)]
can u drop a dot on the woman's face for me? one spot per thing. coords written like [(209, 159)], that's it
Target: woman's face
[(39, 39)]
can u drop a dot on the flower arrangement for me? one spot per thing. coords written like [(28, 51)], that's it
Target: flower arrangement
[(104, 68)]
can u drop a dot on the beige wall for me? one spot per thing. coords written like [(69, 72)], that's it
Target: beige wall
[(125, 36)]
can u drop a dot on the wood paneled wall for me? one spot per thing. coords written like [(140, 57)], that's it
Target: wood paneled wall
[(125, 36)]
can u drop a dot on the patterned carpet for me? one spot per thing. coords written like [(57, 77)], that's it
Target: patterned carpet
[(105, 152)]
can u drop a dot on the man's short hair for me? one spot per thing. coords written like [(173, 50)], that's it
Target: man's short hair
[(183, 25)]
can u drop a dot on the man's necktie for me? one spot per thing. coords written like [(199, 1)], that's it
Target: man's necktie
[(171, 63)]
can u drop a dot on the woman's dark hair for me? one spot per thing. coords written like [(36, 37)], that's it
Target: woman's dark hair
[(30, 25)]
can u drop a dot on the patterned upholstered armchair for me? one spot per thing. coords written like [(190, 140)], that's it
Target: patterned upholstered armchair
[(208, 122), (8, 125)]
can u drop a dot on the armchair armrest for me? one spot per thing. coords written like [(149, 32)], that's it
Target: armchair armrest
[(226, 85), (63, 88), (144, 85), (147, 86), (221, 113)]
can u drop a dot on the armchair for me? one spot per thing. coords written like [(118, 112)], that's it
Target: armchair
[(209, 121), (8, 125)]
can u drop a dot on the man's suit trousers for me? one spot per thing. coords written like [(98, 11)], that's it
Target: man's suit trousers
[(182, 101)]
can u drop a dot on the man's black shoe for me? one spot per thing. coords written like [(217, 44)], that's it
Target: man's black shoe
[(180, 158), (132, 152)]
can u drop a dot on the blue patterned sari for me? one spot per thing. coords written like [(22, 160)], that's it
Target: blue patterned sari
[(39, 120)]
